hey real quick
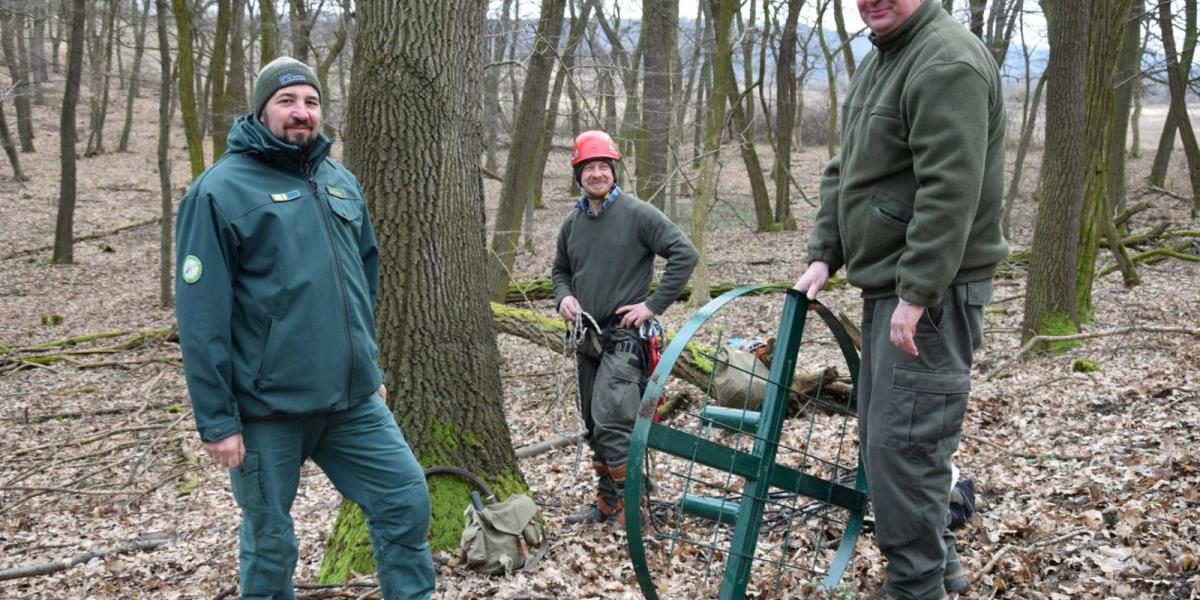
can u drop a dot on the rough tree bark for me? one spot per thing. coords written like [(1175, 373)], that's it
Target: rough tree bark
[(1051, 305), (413, 140), (659, 22), (64, 228), (517, 187), (235, 80)]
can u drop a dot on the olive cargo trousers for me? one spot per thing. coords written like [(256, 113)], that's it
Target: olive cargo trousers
[(363, 453), (910, 415), (610, 392)]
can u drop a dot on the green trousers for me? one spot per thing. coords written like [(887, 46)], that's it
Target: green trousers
[(610, 392), (910, 415), (363, 453)]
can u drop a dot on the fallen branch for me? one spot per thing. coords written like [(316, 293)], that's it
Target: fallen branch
[(142, 544), (1155, 255), (543, 289), (544, 446), (1039, 339), (1039, 544), (83, 238)]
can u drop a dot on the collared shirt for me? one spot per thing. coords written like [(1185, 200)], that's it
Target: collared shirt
[(582, 203)]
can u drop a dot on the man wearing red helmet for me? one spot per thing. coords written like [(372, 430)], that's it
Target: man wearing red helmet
[(604, 264)]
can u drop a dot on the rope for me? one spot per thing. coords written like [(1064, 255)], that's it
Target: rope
[(572, 340)]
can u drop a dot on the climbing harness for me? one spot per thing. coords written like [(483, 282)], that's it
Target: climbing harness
[(653, 336)]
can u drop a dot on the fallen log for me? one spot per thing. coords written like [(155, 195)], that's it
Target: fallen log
[(694, 365), (84, 238), (542, 288)]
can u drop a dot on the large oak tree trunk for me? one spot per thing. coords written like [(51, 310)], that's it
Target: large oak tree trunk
[(659, 23), (413, 140), (1050, 301)]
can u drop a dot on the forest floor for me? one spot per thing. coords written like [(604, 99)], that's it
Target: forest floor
[(1088, 481)]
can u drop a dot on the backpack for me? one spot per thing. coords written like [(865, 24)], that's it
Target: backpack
[(503, 537)]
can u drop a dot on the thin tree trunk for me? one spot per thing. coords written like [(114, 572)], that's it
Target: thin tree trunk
[(1106, 33), (843, 38), (64, 229), (302, 24), (135, 79), (268, 27), (832, 141), (187, 90), (415, 148), (721, 15), (704, 88), (1166, 140), (785, 114), (166, 297), (102, 78), (20, 80), (1051, 304), (491, 87), (221, 120), (37, 54), (1014, 188), (516, 189), (236, 102), (1125, 79), (57, 28), (741, 129), (10, 148), (1175, 79), (660, 18)]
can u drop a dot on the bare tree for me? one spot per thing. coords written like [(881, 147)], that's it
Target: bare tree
[(135, 80), (187, 91), (1175, 79), (10, 20), (101, 61), (1166, 140), (785, 115), (659, 22), (64, 229), (10, 148), (166, 298)]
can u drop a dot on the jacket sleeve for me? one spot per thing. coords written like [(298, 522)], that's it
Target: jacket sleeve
[(667, 240), (206, 256), (948, 107), (368, 248), (825, 241), (560, 272)]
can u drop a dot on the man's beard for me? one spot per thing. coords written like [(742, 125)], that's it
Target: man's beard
[(303, 140)]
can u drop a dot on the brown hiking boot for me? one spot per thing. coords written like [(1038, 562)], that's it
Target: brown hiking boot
[(591, 514)]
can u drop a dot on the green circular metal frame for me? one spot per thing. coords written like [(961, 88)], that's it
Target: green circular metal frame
[(757, 467)]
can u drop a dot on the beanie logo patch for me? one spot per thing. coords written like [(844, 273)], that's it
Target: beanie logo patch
[(288, 78)]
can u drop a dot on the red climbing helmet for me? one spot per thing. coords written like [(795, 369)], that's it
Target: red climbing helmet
[(592, 145)]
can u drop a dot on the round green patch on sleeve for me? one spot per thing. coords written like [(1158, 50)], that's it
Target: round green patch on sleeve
[(192, 269)]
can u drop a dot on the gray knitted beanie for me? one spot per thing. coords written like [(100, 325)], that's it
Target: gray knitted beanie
[(280, 73)]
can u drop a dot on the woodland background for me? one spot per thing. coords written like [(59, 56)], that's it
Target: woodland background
[(1083, 448)]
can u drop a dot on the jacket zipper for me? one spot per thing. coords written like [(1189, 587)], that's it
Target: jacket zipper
[(337, 268)]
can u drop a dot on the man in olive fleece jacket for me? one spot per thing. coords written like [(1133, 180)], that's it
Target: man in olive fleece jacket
[(912, 207), (603, 265)]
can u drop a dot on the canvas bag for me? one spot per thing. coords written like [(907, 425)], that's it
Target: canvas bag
[(732, 383), (503, 537)]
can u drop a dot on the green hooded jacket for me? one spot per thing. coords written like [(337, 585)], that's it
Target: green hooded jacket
[(276, 280)]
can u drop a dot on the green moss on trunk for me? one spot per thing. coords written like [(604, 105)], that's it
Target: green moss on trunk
[(348, 550)]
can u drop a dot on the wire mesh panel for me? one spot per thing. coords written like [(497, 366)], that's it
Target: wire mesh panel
[(759, 482)]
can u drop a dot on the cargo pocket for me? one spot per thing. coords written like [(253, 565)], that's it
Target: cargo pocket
[(622, 374), (246, 481), (926, 411)]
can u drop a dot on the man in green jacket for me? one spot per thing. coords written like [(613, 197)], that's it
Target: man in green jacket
[(277, 277), (603, 265), (911, 207)]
